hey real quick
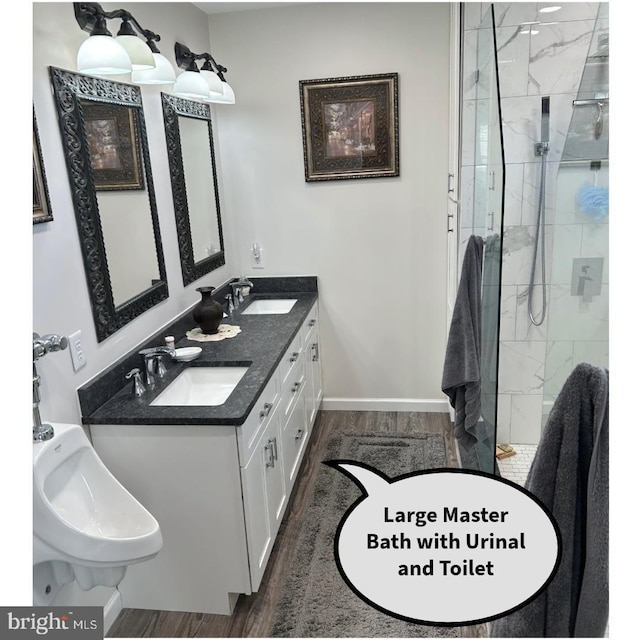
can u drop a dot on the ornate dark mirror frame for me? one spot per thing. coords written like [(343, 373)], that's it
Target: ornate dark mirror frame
[(41, 200), (173, 107), (69, 90)]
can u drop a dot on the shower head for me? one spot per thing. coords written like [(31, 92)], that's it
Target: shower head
[(544, 129), (542, 148)]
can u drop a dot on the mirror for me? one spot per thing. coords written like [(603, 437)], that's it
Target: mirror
[(107, 155), (194, 183)]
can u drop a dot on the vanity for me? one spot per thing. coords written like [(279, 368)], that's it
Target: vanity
[(217, 478)]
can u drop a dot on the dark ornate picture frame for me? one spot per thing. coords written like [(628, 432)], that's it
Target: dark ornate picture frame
[(174, 107), (41, 202), (114, 146), (350, 127)]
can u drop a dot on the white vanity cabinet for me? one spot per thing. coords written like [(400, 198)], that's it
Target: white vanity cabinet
[(218, 492)]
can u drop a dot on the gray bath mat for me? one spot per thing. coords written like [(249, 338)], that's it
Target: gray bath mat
[(315, 601)]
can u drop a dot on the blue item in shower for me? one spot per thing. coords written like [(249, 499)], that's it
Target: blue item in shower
[(594, 201)]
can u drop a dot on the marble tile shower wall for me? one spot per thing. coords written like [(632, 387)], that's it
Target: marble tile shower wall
[(534, 361)]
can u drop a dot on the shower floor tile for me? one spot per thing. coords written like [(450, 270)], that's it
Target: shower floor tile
[(517, 467)]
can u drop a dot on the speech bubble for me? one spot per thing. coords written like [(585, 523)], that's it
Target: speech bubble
[(444, 547)]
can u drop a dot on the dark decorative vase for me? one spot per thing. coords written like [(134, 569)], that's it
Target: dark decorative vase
[(208, 312)]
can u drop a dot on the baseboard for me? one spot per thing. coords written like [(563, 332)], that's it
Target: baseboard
[(111, 610), (385, 404)]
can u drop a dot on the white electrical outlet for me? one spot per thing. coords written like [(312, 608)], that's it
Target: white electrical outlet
[(257, 257), (77, 353)]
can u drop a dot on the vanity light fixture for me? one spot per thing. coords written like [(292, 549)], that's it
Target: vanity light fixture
[(139, 53), (162, 73), (218, 89), (101, 54), (210, 74), (190, 83)]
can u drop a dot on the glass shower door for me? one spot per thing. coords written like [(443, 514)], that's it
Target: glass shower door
[(481, 212)]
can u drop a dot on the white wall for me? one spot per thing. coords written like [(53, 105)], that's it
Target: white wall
[(378, 246)]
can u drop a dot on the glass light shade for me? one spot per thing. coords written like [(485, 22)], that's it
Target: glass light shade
[(163, 73), (214, 82), (139, 53), (227, 97), (191, 84), (102, 55)]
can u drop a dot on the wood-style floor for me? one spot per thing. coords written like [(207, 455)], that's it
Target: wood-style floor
[(253, 614)]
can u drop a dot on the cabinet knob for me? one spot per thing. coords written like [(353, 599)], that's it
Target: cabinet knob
[(266, 410), (294, 356), (299, 434), (296, 387), (312, 322)]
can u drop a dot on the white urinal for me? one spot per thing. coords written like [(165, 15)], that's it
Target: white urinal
[(85, 523)]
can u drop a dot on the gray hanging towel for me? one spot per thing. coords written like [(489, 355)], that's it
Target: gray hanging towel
[(570, 475), (461, 375)]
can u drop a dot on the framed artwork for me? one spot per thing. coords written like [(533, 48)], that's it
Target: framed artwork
[(41, 203), (113, 141), (350, 127)]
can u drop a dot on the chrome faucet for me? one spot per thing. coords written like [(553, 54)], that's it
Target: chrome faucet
[(138, 386), (230, 308), (152, 362), (236, 290), (42, 346)]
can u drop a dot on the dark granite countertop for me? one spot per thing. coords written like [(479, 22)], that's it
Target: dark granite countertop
[(260, 345)]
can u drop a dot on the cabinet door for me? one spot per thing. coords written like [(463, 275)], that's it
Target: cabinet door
[(274, 475), (314, 376), (294, 438), (264, 498)]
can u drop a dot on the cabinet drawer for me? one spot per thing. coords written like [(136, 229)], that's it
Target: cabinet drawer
[(310, 323), (290, 360), (293, 388), (248, 434)]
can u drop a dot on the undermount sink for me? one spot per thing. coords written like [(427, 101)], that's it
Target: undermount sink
[(201, 386), (274, 305)]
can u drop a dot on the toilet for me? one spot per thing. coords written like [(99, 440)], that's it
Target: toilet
[(86, 525)]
